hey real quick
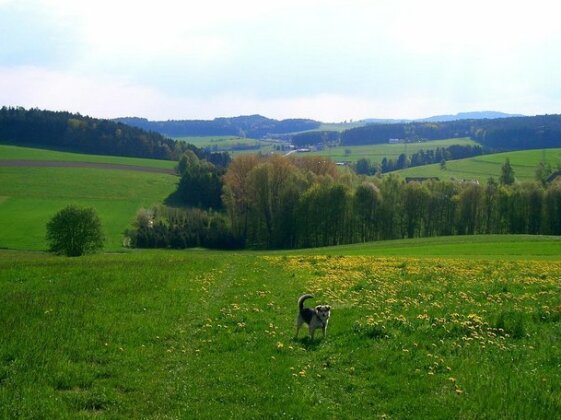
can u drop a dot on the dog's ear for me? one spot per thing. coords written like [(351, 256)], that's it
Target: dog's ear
[(328, 307), (317, 308)]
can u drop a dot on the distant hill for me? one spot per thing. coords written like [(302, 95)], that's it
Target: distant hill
[(258, 126), (252, 126), (77, 133), (385, 121), (499, 134), (478, 115)]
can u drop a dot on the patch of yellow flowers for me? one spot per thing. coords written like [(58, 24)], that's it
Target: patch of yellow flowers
[(458, 299)]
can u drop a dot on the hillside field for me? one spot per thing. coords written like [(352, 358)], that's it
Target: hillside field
[(200, 334), (229, 144), (483, 167), (376, 152), (30, 196), (12, 152)]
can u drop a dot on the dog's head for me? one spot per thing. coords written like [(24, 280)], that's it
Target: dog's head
[(323, 312)]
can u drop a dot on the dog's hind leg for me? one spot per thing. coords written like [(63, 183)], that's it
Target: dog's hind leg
[(299, 322)]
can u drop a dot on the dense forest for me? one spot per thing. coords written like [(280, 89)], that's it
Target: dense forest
[(499, 134), (77, 133), (315, 137), (291, 202), (252, 126)]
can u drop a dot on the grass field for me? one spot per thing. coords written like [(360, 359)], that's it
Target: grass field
[(229, 143), (202, 334), (10, 152), (455, 327), (481, 168), (29, 197), (376, 152), (502, 247)]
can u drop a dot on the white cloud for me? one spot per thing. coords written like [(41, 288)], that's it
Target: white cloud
[(55, 90), (325, 59), (48, 89)]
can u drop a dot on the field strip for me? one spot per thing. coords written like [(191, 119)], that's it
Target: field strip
[(71, 164)]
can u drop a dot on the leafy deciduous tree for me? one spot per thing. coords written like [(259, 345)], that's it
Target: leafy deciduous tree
[(75, 231)]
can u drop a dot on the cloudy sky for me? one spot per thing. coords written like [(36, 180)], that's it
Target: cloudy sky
[(331, 60)]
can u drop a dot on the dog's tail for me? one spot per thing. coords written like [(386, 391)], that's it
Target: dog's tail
[(302, 299)]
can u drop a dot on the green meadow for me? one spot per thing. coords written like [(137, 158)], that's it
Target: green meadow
[(503, 247), (230, 143), (483, 167), (449, 327), (10, 152), (200, 334), (376, 152), (30, 196)]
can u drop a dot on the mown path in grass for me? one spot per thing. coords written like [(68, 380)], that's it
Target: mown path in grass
[(203, 334)]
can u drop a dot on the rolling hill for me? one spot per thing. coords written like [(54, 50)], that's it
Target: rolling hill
[(76, 133), (483, 167), (252, 126), (29, 196)]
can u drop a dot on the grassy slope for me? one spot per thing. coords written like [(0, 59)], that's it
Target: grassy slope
[(376, 152), (524, 164), (29, 197), (28, 153), (226, 143), (210, 334), (220, 141), (479, 246)]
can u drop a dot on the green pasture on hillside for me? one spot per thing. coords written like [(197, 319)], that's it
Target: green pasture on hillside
[(229, 143), (199, 334), (29, 197), (483, 167), (10, 152), (376, 152)]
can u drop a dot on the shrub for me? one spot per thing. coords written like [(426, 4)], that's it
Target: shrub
[(74, 231)]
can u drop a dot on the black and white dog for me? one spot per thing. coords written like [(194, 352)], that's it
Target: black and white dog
[(315, 318)]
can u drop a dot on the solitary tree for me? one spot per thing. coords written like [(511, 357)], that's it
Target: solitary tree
[(74, 231), (507, 173)]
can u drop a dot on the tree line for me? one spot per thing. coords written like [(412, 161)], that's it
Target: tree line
[(77, 133), (252, 126), (515, 133), (365, 166), (315, 137), (283, 202)]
